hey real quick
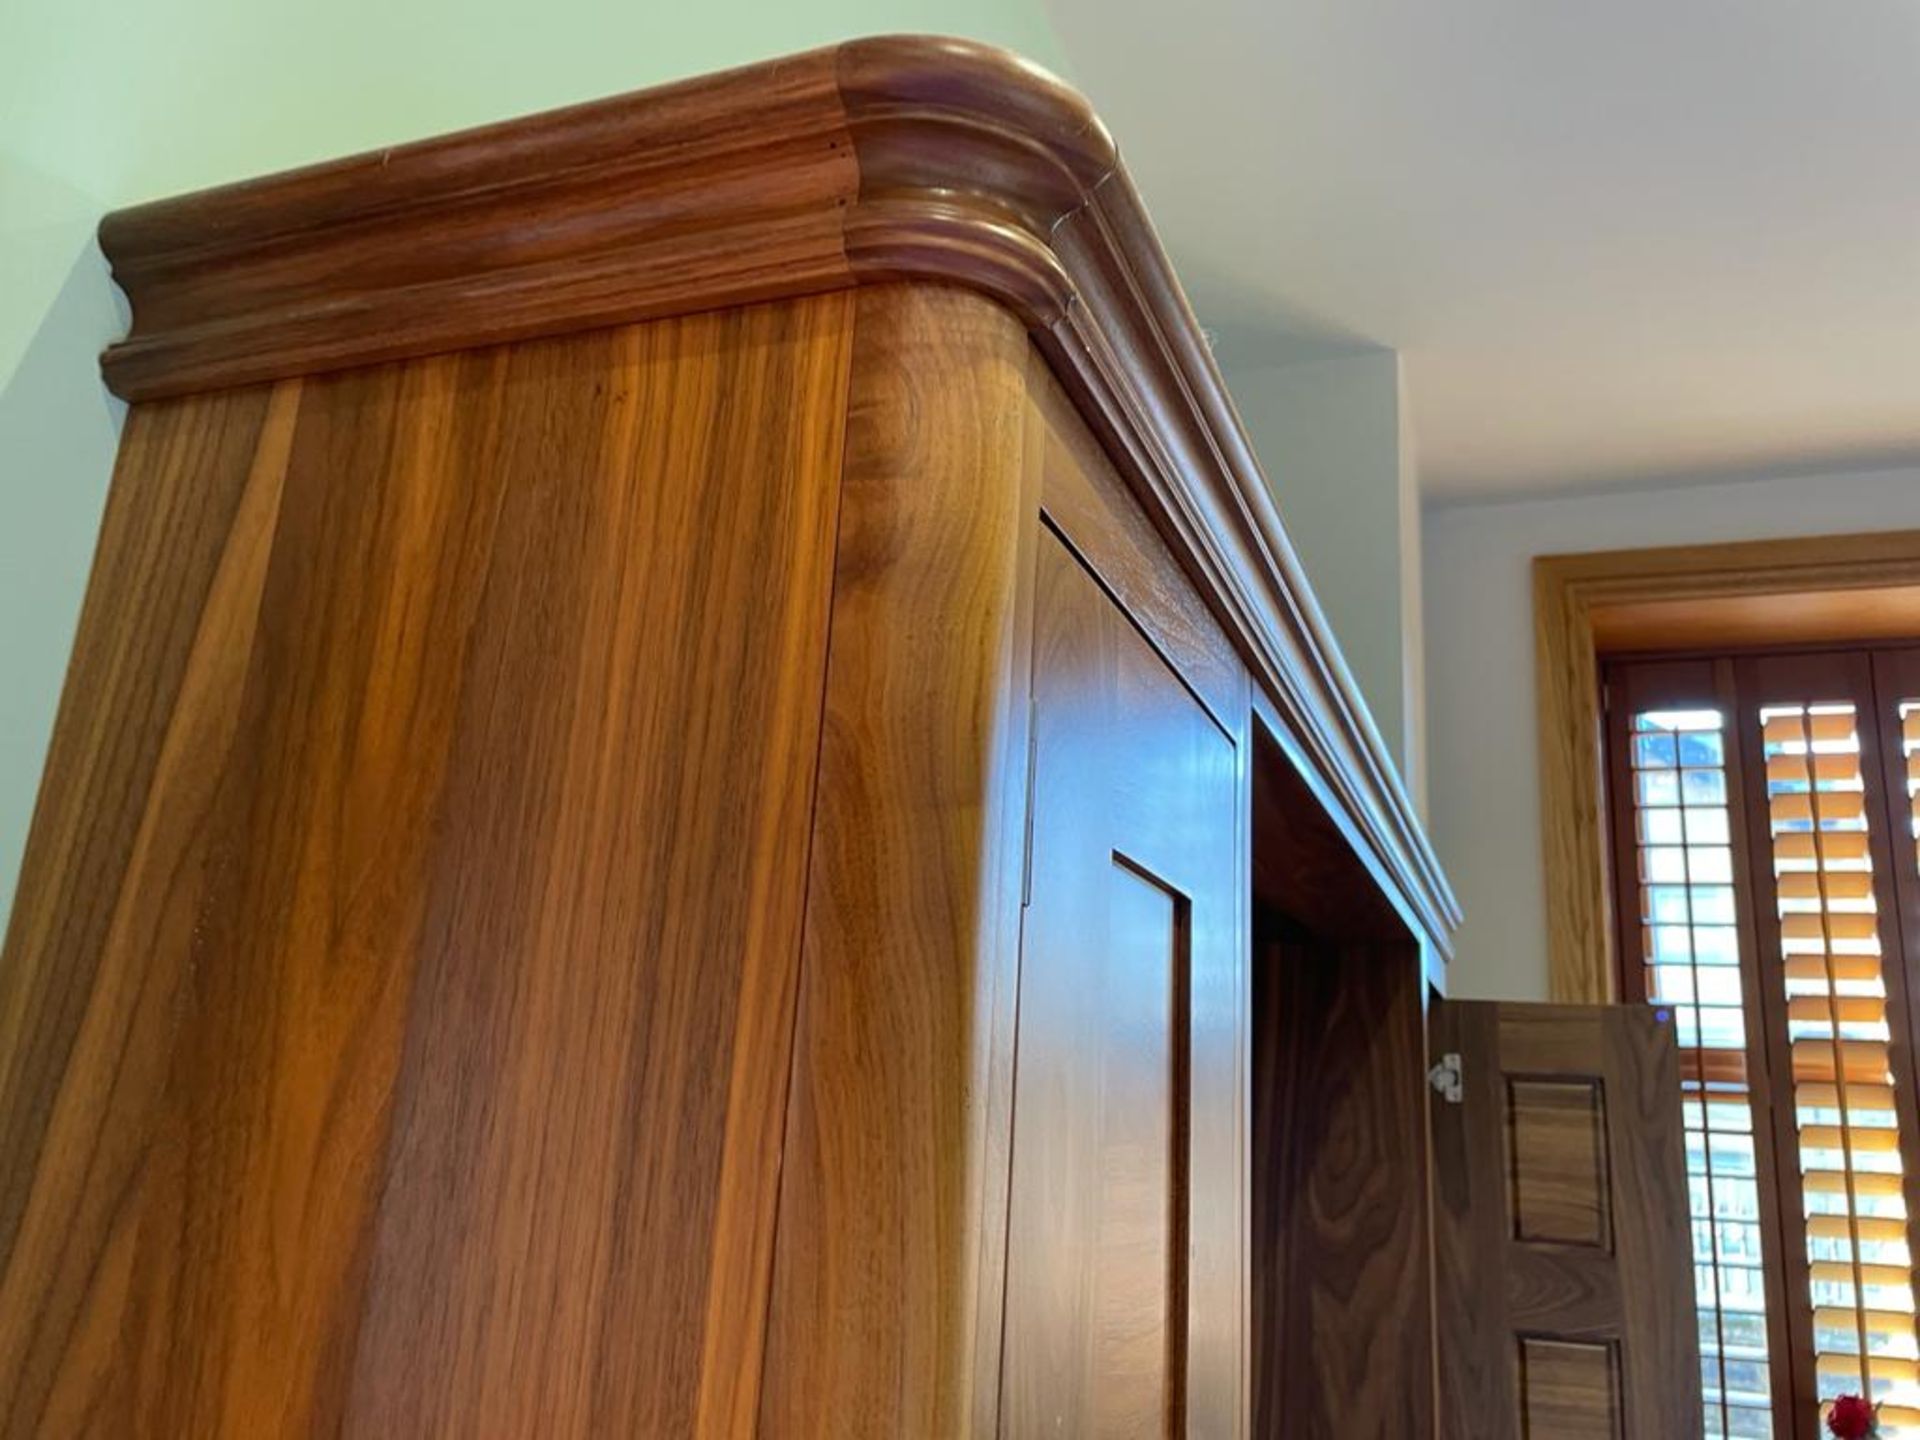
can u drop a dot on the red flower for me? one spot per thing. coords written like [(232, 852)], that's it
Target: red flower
[(1851, 1418)]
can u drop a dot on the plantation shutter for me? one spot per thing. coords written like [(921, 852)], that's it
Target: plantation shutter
[(1768, 884)]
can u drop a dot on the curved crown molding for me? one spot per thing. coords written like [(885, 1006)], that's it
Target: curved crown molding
[(891, 158)]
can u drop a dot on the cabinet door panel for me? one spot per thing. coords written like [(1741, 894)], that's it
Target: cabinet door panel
[(1123, 1282), (1564, 1261)]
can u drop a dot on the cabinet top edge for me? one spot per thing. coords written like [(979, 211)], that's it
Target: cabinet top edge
[(642, 136), (890, 157), (897, 158)]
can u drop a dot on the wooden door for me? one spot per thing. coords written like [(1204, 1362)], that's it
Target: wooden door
[(1124, 1290), (1565, 1276)]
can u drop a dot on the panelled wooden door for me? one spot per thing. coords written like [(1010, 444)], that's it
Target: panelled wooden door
[(1124, 1290), (1565, 1299)]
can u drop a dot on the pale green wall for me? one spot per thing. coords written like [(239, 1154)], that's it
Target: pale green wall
[(1331, 437), (105, 104)]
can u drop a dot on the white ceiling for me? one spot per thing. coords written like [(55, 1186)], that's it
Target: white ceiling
[(1615, 241)]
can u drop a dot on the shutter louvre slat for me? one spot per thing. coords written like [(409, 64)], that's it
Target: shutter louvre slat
[(1836, 1144)]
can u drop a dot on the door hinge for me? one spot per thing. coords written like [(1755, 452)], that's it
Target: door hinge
[(1447, 1080)]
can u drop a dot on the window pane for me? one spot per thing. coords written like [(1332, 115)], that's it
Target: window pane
[(1692, 950)]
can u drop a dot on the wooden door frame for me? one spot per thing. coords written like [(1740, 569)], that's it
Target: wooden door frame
[(1568, 591)]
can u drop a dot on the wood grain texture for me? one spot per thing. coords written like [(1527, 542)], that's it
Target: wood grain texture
[(1089, 510), (1571, 594), (1502, 1296), (1089, 507), (549, 1017), (886, 1306), (1557, 1161), (1729, 622), (1304, 867), (1569, 1390), (1127, 1222), (632, 795), (1132, 356), (879, 160), (1343, 1337), (88, 990), (453, 833), (727, 188), (269, 1146)]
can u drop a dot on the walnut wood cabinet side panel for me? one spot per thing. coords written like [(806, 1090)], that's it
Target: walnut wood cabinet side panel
[(1343, 1294), (97, 952), (886, 1308), (395, 1008)]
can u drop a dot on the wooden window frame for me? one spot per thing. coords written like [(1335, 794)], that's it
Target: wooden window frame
[(1571, 592)]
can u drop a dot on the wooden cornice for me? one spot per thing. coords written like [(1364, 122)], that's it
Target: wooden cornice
[(883, 159)]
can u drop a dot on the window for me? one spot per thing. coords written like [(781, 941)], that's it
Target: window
[(1764, 811)]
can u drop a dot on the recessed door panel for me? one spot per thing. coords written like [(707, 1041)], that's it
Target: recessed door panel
[(1557, 1153), (1569, 1389), (1125, 1228)]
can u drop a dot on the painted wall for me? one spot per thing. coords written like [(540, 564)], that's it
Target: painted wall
[(102, 105), (1329, 434), (1484, 765)]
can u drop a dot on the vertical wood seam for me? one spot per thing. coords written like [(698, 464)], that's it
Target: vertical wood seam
[(765, 1320), (1032, 459)]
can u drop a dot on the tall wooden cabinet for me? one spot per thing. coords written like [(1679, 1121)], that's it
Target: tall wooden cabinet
[(699, 796)]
